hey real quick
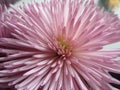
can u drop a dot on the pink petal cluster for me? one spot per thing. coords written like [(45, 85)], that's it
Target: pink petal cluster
[(4, 31), (58, 45)]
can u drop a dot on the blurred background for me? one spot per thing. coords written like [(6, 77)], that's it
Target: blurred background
[(111, 6)]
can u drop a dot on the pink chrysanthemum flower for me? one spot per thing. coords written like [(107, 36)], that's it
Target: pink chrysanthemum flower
[(58, 45)]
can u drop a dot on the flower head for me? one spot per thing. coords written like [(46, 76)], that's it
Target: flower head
[(58, 45)]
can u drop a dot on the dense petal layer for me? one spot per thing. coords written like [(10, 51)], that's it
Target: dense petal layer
[(58, 45)]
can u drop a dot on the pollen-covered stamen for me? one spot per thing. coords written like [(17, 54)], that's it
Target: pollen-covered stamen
[(61, 48), (64, 49)]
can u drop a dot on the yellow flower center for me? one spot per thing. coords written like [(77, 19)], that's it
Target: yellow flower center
[(64, 49), (63, 44)]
